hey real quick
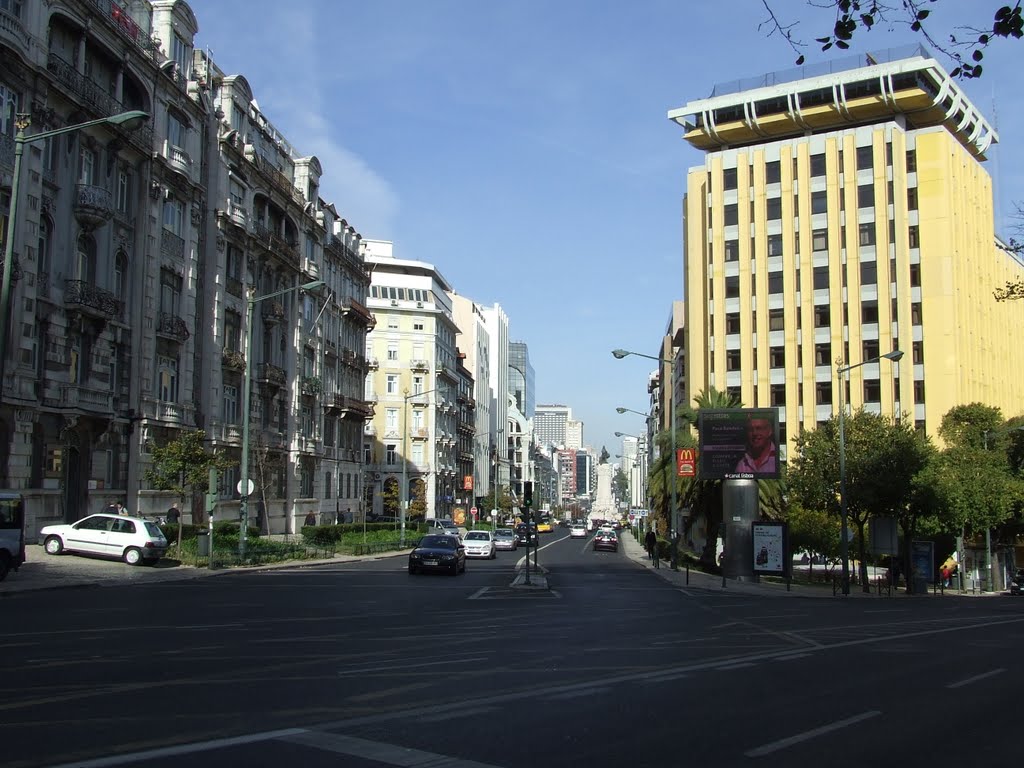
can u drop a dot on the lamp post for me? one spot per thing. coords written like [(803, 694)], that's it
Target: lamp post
[(621, 353), (404, 496), (131, 120), (243, 483), (844, 544)]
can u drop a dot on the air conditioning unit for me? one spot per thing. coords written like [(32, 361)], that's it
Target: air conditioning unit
[(394, 302), (419, 305)]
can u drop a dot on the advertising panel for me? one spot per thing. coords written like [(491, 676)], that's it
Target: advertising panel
[(770, 548), (738, 444), (686, 462)]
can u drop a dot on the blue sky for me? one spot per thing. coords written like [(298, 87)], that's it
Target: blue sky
[(523, 147)]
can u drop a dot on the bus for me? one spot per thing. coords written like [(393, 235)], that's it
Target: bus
[(12, 533)]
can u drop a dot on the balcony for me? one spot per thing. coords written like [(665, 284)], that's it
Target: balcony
[(171, 245), (229, 433), (356, 311), (172, 327), (13, 33), (178, 159), (93, 301), (268, 373), (238, 215), (232, 360), (311, 385), (420, 434), (93, 206), (273, 242), (272, 312), (373, 363), (86, 399), (337, 248), (311, 269), (419, 365), (171, 413), (277, 179)]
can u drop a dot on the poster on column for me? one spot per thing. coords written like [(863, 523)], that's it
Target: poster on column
[(738, 444)]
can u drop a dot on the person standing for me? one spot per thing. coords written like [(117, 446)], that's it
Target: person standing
[(122, 509), (310, 518), (651, 543), (173, 514)]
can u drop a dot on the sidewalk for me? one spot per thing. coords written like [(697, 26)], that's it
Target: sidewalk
[(695, 579)]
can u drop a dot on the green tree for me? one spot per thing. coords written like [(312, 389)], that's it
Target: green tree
[(620, 485), (418, 498), (183, 466), (391, 498), (882, 459), (965, 45), (816, 532)]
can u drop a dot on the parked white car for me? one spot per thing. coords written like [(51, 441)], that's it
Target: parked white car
[(480, 544), (131, 539)]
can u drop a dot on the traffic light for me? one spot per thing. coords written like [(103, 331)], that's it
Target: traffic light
[(527, 494)]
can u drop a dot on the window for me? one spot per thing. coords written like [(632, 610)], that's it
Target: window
[(865, 158), (729, 178), (230, 412), (417, 323), (392, 351), (866, 233), (869, 312), (391, 454), (915, 275), (917, 352), (914, 237), (181, 54), (823, 393), (391, 386), (819, 240), (167, 379), (776, 319), (868, 273), (911, 198), (821, 278), (823, 354), (174, 216), (308, 362), (915, 313), (175, 131), (866, 196), (124, 190), (772, 172), (818, 164), (870, 349), (777, 394), (392, 323), (774, 245), (732, 322), (391, 419), (120, 267), (774, 208), (732, 287), (819, 202), (821, 316), (730, 215), (872, 391), (170, 292), (232, 330), (732, 250), (418, 422), (774, 282), (911, 161), (87, 163), (918, 391), (305, 478), (777, 357), (732, 360)]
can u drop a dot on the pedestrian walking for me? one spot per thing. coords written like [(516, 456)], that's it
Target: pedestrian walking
[(122, 509), (651, 543), (310, 518), (173, 514)]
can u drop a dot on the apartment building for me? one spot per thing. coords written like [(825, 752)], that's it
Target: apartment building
[(840, 214), (474, 342), (413, 382), (139, 253)]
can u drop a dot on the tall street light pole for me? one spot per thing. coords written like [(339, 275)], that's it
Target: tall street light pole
[(621, 353), (403, 513), (243, 483), (130, 120), (844, 544)]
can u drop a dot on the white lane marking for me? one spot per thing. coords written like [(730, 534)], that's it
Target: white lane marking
[(741, 665), (378, 752), (976, 678), (775, 746), (390, 667), (479, 592), (792, 656), (442, 716), (576, 694), (182, 749)]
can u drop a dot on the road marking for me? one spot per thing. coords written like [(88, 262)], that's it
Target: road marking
[(792, 656), (391, 667), (378, 752), (479, 593), (440, 718), (741, 665), (976, 678), (775, 746), (576, 694)]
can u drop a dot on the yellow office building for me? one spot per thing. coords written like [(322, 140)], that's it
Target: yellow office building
[(839, 216)]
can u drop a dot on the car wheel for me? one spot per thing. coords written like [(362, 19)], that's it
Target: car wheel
[(53, 545), (5, 565), (133, 556), (455, 569), (494, 553)]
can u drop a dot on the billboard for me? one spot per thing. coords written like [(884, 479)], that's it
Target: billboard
[(771, 549), (738, 444)]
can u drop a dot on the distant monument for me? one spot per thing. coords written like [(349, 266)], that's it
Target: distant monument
[(604, 505)]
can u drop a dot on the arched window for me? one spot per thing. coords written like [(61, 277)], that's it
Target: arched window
[(121, 275)]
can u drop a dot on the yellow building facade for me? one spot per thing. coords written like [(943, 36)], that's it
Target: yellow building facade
[(837, 217)]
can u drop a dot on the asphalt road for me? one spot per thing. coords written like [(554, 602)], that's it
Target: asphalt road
[(361, 664)]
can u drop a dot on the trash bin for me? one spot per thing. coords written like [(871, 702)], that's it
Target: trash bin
[(203, 544)]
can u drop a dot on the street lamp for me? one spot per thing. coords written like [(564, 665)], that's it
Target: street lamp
[(621, 353), (844, 544), (130, 120), (243, 483), (403, 512)]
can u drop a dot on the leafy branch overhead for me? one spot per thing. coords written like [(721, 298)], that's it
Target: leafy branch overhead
[(966, 44)]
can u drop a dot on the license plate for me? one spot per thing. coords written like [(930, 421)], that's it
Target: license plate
[(430, 562)]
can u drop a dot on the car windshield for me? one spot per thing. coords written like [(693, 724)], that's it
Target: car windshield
[(477, 536), (154, 530), (438, 542), (503, 533), (447, 524)]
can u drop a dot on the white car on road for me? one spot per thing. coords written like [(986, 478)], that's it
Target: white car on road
[(131, 539), (578, 532), (480, 544)]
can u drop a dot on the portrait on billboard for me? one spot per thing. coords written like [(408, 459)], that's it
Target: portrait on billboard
[(739, 444)]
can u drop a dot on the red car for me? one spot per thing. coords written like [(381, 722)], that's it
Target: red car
[(606, 539)]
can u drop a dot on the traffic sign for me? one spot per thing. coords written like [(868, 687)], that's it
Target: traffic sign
[(252, 487)]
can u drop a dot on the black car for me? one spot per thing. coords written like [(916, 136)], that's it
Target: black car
[(526, 534), (438, 552), (1017, 582)]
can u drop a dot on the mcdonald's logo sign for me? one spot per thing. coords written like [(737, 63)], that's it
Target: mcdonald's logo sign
[(686, 462)]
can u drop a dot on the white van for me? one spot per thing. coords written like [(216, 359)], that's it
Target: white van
[(442, 526)]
